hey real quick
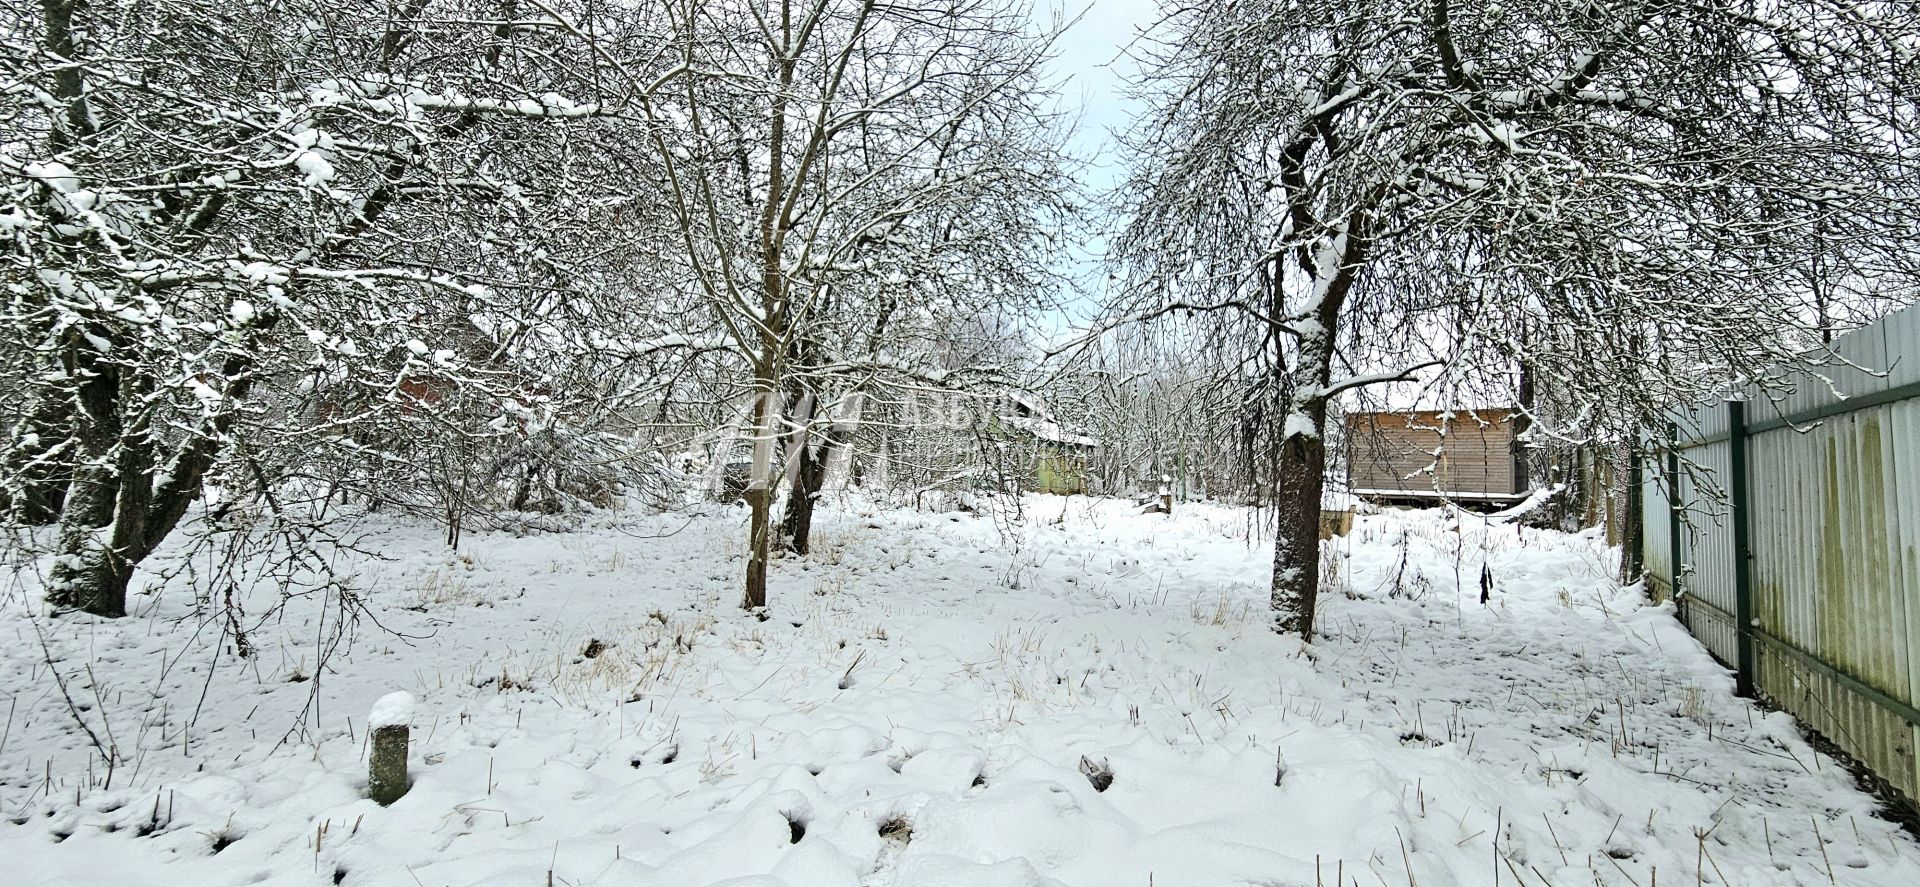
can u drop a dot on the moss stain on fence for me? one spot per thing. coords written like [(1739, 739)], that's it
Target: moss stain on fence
[(1832, 481)]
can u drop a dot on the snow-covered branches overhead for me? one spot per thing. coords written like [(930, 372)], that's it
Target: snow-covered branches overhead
[(425, 251), (1658, 180), (1630, 200), (238, 235)]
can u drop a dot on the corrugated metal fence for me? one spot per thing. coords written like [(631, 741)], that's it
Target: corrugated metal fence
[(1798, 517)]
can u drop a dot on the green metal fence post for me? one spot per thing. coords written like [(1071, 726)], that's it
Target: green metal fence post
[(1742, 546), (1633, 554), (1674, 504)]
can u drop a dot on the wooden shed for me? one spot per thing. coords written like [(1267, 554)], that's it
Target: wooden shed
[(1431, 455)]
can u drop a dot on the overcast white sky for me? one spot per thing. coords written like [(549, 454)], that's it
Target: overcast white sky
[(1091, 67), (1091, 70)]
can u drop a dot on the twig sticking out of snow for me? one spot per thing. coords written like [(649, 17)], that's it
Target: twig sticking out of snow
[(846, 680)]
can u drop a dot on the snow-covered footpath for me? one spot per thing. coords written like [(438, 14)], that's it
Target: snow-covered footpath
[(921, 710)]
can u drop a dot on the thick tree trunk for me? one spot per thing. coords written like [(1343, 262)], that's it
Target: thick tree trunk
[(69, 81), (103, 532), (1300, 484), (89, 574), (121, 505), (40, 500), (1296, 547), (1634, 532), (40, 471)]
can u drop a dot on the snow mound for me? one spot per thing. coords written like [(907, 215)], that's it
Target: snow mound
[(392, 710)]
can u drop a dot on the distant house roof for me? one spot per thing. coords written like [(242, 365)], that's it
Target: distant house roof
[(1029, 415), (1050, 431)]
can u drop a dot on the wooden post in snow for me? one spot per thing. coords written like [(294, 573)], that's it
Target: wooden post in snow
[(387, 764)]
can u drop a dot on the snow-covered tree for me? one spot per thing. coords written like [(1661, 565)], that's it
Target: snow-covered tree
[(240, 235), (1627, 198), (848, 178)]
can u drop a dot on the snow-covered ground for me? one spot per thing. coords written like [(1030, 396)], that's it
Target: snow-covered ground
[(921, 711)]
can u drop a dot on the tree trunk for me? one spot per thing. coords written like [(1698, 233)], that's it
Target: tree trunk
[(808, 480), (1633, 552), (1300, 478), (795, 455), (69, 81), (1523, 422), (523, 489), (773, 329), (760, 497), (103, 531), (39, 469), (1296, 547), (121, 504), (757, 544), (88, 574)]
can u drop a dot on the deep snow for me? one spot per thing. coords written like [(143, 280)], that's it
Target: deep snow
[(922, 709)]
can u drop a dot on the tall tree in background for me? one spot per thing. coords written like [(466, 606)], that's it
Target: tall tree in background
[(1625, 197), (845, 175)]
